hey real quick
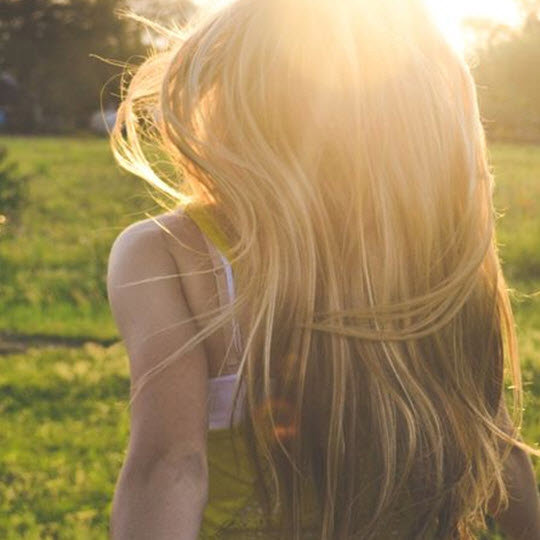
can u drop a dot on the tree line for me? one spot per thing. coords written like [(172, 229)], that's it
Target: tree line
[(48, 80), (506, 69), (52, 80)]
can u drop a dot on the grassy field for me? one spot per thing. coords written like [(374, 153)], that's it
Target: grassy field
[(63, 394), (53, 266)]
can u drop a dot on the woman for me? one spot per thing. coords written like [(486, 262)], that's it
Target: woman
[(329, 261)]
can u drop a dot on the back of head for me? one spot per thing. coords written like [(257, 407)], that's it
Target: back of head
[(339, 146)]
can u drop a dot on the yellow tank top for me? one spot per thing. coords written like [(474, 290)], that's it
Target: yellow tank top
[(232, 510)]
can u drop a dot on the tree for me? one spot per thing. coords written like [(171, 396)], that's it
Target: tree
[(507, 73), (529, 7), (46, 46), (165, 11)]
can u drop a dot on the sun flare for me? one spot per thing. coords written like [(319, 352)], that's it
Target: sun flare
[(450, 15)]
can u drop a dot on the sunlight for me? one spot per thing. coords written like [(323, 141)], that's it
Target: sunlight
[(449, 15)]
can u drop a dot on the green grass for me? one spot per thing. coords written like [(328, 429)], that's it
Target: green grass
[(62, 418), (52, 268), (517, 198), (65, 428)]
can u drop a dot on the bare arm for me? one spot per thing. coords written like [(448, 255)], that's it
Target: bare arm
[(162, 488), (521, 520), (167, 503)]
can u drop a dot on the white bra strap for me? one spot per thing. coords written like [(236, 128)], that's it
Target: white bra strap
[(225, 286), (237, 336), (228, 273)]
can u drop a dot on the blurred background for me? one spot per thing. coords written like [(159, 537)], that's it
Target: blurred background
[(64, 376)]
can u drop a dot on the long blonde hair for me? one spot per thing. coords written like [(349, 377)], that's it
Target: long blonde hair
[(338, 146)]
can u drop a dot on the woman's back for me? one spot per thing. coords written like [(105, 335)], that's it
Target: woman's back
[(192, 263), (338, 148), (232, 510)]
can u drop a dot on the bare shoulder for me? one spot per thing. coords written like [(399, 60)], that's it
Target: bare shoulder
[(149, 302), (172, 234), (148, 282)]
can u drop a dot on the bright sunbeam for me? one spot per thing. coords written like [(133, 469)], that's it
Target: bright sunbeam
[(450, 15)]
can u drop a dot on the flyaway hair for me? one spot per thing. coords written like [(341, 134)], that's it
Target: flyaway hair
[(338, 146)]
